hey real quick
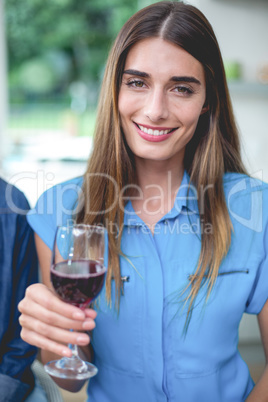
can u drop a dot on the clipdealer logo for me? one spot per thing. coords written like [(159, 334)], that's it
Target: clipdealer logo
[(252, 192)]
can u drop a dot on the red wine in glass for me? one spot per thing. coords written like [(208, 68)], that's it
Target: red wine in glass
[(78, 282)]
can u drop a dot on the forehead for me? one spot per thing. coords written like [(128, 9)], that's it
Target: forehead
[(158, 56)]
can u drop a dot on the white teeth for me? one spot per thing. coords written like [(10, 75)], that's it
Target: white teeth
[(153, 132)]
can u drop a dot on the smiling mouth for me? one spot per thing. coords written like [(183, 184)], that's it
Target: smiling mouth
[(153, 132)]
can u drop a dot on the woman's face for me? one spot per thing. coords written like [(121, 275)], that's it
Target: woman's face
[(162, 95)]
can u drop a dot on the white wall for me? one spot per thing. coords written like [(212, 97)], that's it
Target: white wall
[(241, 29)]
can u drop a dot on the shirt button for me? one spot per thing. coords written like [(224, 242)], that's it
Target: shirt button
[(166, 221)]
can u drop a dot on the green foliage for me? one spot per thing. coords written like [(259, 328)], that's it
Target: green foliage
[(57, 50), (82, 30)]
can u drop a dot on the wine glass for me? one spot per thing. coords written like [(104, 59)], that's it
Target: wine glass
[(77, 276)]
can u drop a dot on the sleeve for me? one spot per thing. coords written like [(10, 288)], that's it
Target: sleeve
[(12, 390), (55, 207), (259, 292), (16, 378)]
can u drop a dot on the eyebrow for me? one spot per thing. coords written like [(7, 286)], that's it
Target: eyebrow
[(174, 78), (136, 72)]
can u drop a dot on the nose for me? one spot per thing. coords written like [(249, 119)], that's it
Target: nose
[(156, 107)]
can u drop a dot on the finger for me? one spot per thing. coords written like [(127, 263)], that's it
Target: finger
[(52, 318), (54, 333), (45, 297), (90, 313), (44, 343)]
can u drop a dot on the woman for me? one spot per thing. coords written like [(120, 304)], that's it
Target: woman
[(187, 238)]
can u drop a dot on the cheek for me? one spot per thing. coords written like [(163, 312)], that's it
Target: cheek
[(120, 103), (124, 111), (121, 110), (124, 115), (192, 114), (128, 103)]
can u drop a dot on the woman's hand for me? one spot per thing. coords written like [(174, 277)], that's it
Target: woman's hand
[(46, 321)]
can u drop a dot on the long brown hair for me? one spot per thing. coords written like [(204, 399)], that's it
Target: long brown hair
[(213, 150)]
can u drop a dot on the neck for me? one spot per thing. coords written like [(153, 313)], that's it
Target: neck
[(155, 175), (158, 183)]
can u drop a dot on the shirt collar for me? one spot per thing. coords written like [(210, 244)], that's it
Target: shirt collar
[(186, 199)]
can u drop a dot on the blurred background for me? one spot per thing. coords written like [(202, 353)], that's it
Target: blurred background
[(52, 57)]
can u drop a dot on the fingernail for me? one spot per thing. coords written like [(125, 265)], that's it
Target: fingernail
[(82, 339), (89, 324), (79, 315), (66, 352)]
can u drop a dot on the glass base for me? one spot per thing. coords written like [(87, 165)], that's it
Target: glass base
[(72, 368)]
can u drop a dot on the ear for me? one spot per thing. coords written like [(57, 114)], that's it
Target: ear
[(205, 108)]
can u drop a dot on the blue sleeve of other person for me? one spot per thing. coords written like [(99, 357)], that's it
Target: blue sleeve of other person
[(18, 270)]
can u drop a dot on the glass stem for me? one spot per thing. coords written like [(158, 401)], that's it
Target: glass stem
[(74, 349)]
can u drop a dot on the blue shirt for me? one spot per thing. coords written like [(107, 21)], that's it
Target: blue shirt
[(143, 353), (18, 269)]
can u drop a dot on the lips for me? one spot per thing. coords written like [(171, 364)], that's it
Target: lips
[(153, 134), (154, 131)]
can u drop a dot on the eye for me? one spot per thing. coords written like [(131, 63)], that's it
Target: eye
[(135, 83), (182, 89)]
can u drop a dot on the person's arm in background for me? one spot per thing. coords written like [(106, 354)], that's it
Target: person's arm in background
[(18, 270)]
